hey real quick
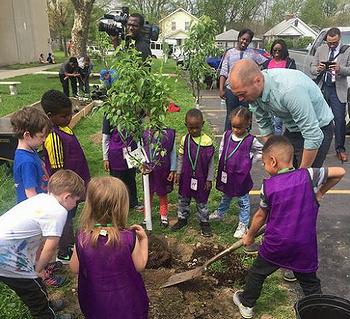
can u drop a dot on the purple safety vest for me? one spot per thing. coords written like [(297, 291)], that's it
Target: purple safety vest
[(117, 143), (200, 173), (73, 155), (158, 177), (109, 286), (290, 239), (237, 166)]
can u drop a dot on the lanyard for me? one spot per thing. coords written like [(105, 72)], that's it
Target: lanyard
[(234, 150), (193, 165)]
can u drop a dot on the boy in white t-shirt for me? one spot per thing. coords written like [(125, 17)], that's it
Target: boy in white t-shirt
[(22, 231)]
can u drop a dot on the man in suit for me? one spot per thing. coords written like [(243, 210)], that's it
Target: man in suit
[(332, 78)]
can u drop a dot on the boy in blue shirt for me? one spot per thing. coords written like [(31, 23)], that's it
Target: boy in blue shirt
[(31, 127)]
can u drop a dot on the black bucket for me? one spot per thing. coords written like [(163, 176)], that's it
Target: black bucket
[(322, 307)]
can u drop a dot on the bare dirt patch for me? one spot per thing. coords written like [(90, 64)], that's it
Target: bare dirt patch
[(207, 297)]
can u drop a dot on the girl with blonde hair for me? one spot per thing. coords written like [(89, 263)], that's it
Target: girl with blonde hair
[(108, 257)]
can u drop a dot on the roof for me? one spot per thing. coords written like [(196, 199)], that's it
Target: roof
[(177, 10), (287, 24), (231, 35)]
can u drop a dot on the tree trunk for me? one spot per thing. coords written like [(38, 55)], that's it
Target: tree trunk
[(80, 30)]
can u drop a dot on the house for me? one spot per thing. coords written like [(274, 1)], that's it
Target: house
[(175, 27), (291, 27), (24, 31), (229, 38)]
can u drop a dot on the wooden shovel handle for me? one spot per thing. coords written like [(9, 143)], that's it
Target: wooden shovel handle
[(233, 247)]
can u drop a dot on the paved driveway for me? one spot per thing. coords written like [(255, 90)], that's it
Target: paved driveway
[(334, 214)]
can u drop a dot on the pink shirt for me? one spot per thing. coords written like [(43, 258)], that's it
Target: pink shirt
[(277, 65)]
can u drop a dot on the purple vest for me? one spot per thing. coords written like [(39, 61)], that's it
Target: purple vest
[(237, 167), (73, 154), (109, 286), (115, 152), (290, 237), (200, 174), (158, 177)]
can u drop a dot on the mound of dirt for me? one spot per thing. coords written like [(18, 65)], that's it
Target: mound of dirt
[(159, 254)]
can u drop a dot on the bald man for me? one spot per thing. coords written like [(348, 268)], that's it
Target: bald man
[(293, 97)]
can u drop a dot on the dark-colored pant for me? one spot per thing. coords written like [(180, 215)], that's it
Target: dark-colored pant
[(128, 177), (84, 84), (297, 141), (184, 209), (65, 84), (33, 293), (67, 239), (261, 269), (339, 110), (232, 102)]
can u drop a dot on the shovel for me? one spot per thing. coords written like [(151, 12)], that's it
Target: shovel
[(198, 271)]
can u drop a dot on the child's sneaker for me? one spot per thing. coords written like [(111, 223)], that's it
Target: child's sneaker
[(288, 275), (56, 304), (164, 221), (65, 258), (205, 229), (181, 222), (54, 281), (53, 267), (216, 216), (246, 312), (240, 231), (252, 249)]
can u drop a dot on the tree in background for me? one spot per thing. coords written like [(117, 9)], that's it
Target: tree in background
[(80, 30), (60, 21), (198, 47)]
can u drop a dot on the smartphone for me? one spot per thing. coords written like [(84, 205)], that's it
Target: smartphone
[(328, 64)]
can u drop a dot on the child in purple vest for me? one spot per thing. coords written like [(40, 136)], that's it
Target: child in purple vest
[(237, 151), (115, 145), (62, 150), (162, 175), (289, 207), (108, 257), (195, 172)]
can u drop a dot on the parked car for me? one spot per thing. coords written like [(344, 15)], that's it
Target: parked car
[(157, 49)]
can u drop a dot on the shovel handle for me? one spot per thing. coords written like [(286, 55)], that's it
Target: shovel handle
[(233, 247)]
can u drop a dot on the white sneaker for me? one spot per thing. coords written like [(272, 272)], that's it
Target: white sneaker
[(246, 312), (216, 216), (240, 231)]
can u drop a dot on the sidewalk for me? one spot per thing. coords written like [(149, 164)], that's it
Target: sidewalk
[(334, 214), (6, 74)]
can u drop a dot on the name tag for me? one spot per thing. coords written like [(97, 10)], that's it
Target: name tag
[(224, 177), (126, 150), (194, 184)]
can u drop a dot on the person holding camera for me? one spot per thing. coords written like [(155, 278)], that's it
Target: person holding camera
[(134, 26), (331, 65)]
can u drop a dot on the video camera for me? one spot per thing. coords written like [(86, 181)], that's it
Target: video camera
[(114, 23)]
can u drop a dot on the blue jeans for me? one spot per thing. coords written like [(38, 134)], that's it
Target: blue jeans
[(244, 207), (277, 125), (338, 110), (232, 102)]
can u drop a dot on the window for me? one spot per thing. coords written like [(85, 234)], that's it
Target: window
[(187, 25), (173, 26)]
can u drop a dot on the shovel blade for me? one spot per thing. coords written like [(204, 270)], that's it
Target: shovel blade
[(183, 276)]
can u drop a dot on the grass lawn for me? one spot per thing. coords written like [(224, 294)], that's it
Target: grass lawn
[(59, 58), (275, 300)]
